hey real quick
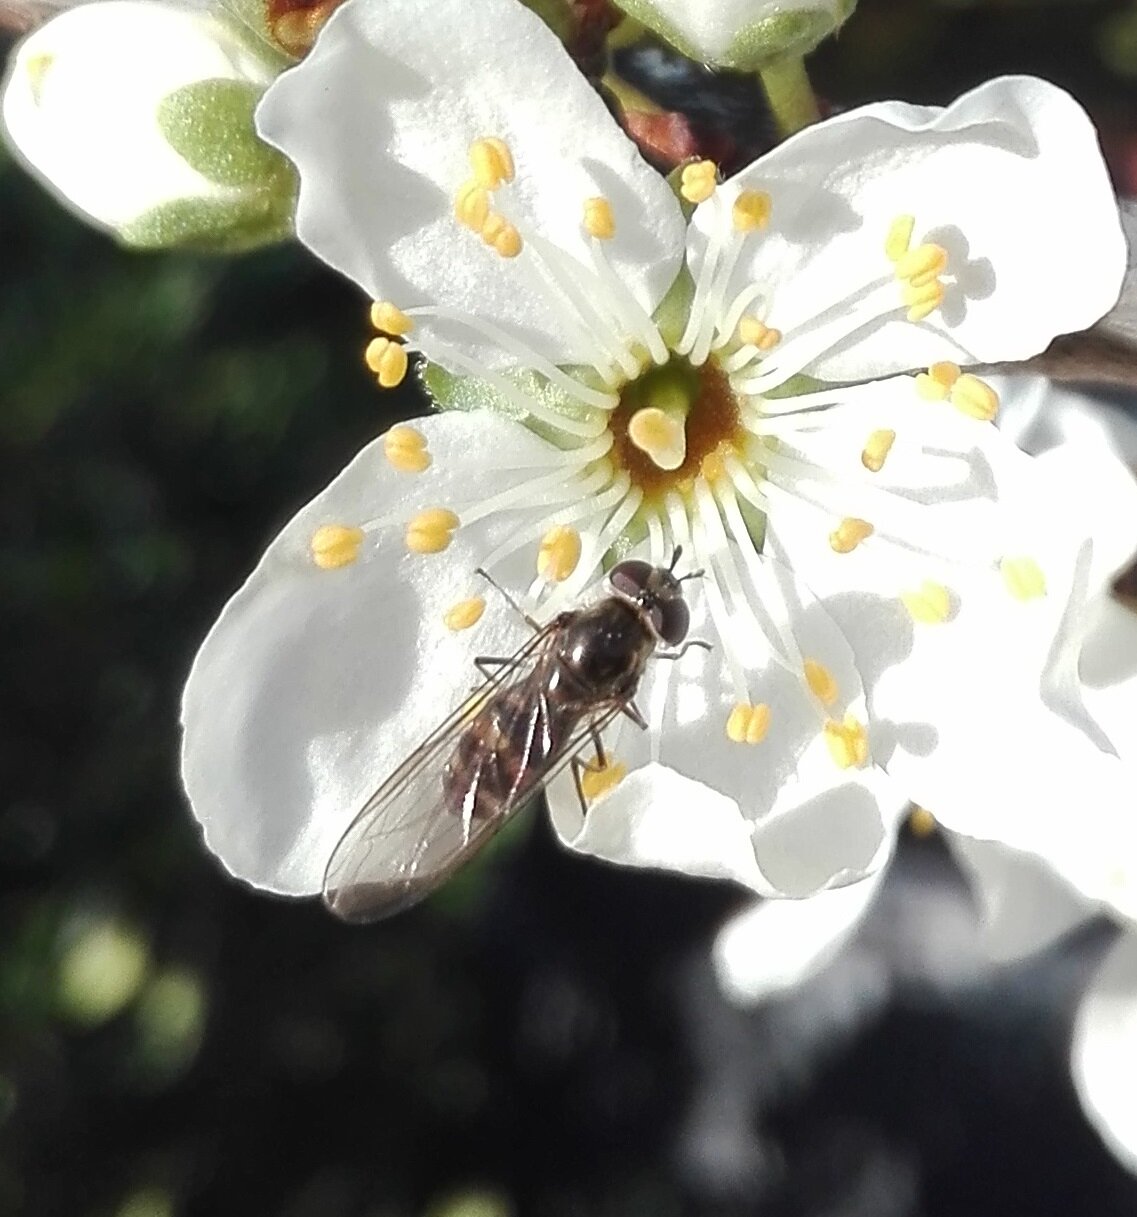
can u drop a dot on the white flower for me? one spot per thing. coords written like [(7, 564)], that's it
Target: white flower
[(456, 165), (741, 34), (137, 113), (1082, 855)]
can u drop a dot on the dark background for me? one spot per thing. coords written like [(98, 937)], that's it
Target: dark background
[(546, 1036)]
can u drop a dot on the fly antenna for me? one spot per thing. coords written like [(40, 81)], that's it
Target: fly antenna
[(691, 574), (506, 597), (676, 554)]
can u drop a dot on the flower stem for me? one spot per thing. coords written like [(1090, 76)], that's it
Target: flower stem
[(790, 94)]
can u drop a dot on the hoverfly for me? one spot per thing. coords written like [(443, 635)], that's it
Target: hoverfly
[(531, 717)]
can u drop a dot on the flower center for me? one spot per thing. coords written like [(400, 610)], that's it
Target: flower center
[(669, 421)]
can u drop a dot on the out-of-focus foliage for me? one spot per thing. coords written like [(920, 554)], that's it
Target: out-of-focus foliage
[(544, 1037)]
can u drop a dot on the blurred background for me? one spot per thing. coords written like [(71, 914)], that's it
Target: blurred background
[(546, 1036)]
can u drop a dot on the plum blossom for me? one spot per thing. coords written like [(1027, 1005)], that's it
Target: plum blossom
[(774, 385)]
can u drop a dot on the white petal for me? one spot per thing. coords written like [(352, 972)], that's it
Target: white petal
[(81, 101), (379, 119), (776, 944), (659, 818), (1024, 905), (314, 684), (979, 178), (958, 707), (1108, 670), (1103, 1056)]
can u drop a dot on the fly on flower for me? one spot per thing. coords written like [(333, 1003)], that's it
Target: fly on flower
[(533, 715)]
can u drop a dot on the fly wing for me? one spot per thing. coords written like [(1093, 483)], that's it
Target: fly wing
[(409, 838)]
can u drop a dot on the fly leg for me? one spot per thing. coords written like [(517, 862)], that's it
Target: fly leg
[(490, 665), (580, 767), (678, 654)]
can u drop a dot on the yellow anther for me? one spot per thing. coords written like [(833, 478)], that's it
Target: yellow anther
[(491, 161), (756, 333), (599, 779), (405, 449), (922, 264), (876, 450), (849, 534), (975, 398), (921, 822), (697, 182), (821, 682), (930, 604), (472, 205), (335, 545), (431, 531), (464, 614), (599, 220), (935, 384), (662, 436), (748, 724), (848, 742), (388, 360), (389, 319), (501, 235), (713, 465), (751, 210), (899, 236), (922, 301), (1023, 577), (559, 553)]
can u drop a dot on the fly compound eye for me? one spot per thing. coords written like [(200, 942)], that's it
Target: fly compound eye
[(630, 578), (674, 619)]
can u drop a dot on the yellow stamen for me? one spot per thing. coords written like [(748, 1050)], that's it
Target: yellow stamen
[(922, 301), (935, 384), (1023, 577), (389, 319), (930, 604), (848, 742), (501, 235), (876, 450), (821, 682), (662, 436), (388, 360), (748, 724), (697, 182), (464, 614), (713, 465), (335, 545), (405, 449), (431, 531), (975, 398), (491, 161), (751, 210), (849, 534), (922, 264), (757, 334), (559, 553), (599, 779), (899, 237), (599, 220), (921, 822), (472, 205)]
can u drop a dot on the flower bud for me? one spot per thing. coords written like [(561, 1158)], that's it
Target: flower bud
[(742, 35), (138, 114)]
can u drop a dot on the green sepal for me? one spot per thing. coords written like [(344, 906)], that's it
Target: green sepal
[(449, 391), (214, 225), (755, 45), (253, 16), (673, 311), (210, 125), (556, 14)]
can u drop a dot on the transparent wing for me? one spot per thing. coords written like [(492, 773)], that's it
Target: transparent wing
[(408, 838)]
